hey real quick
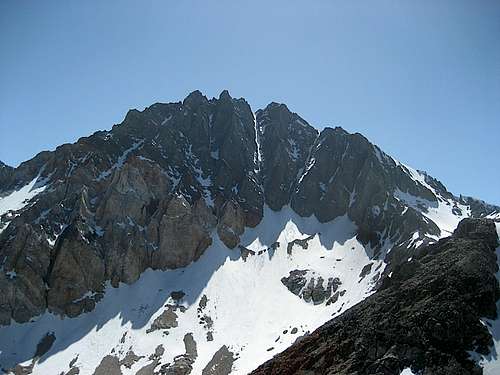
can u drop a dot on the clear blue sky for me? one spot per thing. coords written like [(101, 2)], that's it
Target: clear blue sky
[(419, 78)]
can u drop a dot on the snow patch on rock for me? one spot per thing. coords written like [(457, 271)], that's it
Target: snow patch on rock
[(18, 199)]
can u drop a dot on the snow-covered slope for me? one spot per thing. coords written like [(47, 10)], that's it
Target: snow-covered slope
[(243, 298), (19, 198)]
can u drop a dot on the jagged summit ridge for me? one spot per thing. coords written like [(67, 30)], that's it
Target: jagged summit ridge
[(151, 192), (176, 231)]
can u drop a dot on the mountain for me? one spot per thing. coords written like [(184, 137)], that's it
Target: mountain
[(201, 237)]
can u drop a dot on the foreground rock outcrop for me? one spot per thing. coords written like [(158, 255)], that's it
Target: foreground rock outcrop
[(425, 316)]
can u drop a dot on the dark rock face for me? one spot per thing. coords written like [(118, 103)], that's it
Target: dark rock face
[(76, 269), (183, 233), (110, 365), (295, 281), (42, 348), (23, 290), (303, 243), (347, 175), (365, 271), (285, 144), (204, 319), (177, 295), (45, 344), (231, 224), (221, 363), (183, 364), (316, 291), (155, 358), (334, 173), (310, 289), (151, 192), (245, 253), (472, 229), (166, 320), (129, 359), (5, 173), (426, 315), (146, 194)]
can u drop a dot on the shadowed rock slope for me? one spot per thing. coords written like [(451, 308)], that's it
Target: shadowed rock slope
[(426, 315)]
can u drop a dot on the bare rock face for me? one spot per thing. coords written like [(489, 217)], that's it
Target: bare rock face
[(295, 281), (312, 288), (110, 365), (231, 224), (183, 364), (5, 173), (221, 363), (125, 215), (183, 234), (166, 320), (303, 243), (26, 261), (480, 230), (285, 144), (334, 173), (146, 194), (317, 292), (77, 269), (368, 178)]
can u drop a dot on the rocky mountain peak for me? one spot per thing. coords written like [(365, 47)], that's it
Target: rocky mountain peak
[(154, 190), (195, 100), (225, 96)]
